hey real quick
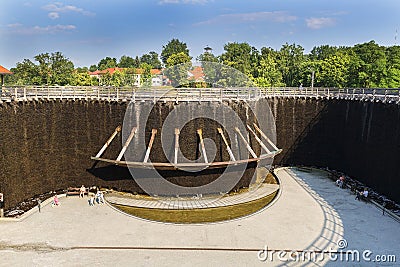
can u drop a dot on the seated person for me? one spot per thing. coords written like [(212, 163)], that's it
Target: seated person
[(339, 183), (365, 194), (362, 195), (343, 180)]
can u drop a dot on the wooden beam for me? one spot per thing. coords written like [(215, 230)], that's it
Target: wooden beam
[(265, 137), (258, 139), (203, 148), (117, 130), (247, 143), (176, 145), (153, 135), (131, 135), (171, 166), (221, 132)]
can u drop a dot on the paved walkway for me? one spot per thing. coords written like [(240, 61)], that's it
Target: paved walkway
[(192, 203), (311, 213)]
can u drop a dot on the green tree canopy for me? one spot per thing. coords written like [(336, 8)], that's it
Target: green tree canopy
[(25, 73), (289, 59), (173, 47), (372, 64), (128, 62), (238, 56), (178, 66), (106, 63), (151, 59)]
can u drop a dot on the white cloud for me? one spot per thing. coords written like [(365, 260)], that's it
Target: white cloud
[(318, 23), (14, 25), (202, 2), (57, 7), (277, 16), (53, 28), (54, 15), (50, 29)]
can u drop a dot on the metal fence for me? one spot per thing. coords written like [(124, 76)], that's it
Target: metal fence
[(22, 93)]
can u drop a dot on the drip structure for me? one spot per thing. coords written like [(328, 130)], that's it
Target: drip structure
[(269, 150)]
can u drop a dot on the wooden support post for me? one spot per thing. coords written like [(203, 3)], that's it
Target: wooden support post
[(153, 135), (247, 143), (117, 130), (258, 140), (265, 137), (131, 135), (176, 145), (226, 144), (203, 148)]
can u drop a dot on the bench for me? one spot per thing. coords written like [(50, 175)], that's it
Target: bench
[(76, 191), (361, 197)]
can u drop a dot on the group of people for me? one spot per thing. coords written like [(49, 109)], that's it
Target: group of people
[(360, 195), (98, 198)]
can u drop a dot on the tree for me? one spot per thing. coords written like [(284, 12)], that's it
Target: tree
[(334, 70), (93, 68), (393, 66), (61, 69), (81, 79), (128, 62), (178, 66), (238, 56), (210, 66), (173, 47), (322, 52), (117, 79), (372, 64), (145, 77), (82, 69), (25, 73), (151, 59), (267, 73), (106, 78), (106, 63), (290, 58), (44, 67), (54, 68)]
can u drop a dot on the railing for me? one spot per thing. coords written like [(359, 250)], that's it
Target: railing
[(21, 93)]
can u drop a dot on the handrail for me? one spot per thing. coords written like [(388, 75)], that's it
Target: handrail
[(21, 93)]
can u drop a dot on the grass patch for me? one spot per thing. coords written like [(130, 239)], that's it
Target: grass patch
[(199, 215), (270, 179)]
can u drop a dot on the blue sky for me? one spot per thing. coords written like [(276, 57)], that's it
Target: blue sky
[(86, 31)]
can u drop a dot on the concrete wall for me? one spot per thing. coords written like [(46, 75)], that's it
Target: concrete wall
[(46, 146)]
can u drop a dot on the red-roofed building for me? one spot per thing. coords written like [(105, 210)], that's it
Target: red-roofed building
[(3, 71), (156, 80), (196, 74)]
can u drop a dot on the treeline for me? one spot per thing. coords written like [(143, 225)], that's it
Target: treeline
[(363, 65)]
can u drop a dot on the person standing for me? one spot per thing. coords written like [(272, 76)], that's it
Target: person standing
[(39, 204), (82, 191)]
